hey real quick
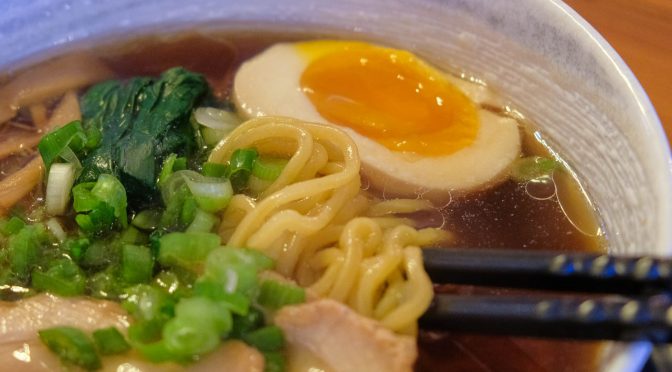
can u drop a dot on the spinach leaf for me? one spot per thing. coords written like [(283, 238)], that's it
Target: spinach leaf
[(133, 126)]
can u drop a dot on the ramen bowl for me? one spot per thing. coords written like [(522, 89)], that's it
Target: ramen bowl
[(543, 59)]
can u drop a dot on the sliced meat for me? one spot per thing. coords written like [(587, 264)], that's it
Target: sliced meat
[(232, 356), (22, 350), (345, 340), (20, 320)]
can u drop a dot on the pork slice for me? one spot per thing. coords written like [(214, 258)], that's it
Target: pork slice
[(345, 340), (21, 320), (22, 350)]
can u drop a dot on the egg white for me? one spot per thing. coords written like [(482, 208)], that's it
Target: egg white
[(269, 84)]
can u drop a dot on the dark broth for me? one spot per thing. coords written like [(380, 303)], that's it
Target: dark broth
[(502, 217)]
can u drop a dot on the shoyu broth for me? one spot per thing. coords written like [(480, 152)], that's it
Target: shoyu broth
[(555, 215)]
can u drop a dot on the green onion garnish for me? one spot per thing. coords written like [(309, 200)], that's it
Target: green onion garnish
[(186, 250), (137, 264), (274, 294), (269, 169), (241, 165), (71, 345), (110, 341)]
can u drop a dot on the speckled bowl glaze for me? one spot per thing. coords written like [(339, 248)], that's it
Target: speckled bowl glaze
[(539, 54)]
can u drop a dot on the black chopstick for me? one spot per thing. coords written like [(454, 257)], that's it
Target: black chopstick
[(608, 318), (577, 272), (636, 303)]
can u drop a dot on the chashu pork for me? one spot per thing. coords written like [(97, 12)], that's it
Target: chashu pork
[(344, 340), (22, 350)]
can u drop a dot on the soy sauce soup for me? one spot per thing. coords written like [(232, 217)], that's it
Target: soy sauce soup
[(554, 214)]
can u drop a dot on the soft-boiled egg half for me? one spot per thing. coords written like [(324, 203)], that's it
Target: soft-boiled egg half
[(418, 130)]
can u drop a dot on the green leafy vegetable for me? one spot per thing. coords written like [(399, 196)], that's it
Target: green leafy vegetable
[(140, 123), (71, 345)]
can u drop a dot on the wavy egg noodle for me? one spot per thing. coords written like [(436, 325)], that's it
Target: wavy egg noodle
[(323, 230)]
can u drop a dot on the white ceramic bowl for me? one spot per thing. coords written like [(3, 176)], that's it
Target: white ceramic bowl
[(539, 54)]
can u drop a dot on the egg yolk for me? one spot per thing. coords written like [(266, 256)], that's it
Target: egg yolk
[(392, 97)]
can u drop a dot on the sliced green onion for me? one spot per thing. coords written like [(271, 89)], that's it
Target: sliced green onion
[(110, 190), (154, 352), (188, 337), (212, 195), (244, 324), (202, 309), (146, 331), (202, 222), (11, 226), (235, 268), (52, 145), (71, 345), (63, 278), (133, 236), (149, 219), (237, 303), (100, 204), (99, 254), (110, 341), (188, 212), (256, 185), (214, 169), (137, 264), (211, 136), (171, 165), (532, 167), (274, 361), (216, 118), (147, 303), (25, 249), (274, 294), (240, 167), (56, 229), (269, 169), (59, 183), (187, 250), (269, 338), (105, 285), (77, 247)]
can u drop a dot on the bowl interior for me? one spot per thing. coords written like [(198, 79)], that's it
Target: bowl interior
[(539, 55)]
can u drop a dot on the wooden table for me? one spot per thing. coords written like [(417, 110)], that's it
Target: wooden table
[(641, 32)]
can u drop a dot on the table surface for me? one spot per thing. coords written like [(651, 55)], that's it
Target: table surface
[(641, 32)]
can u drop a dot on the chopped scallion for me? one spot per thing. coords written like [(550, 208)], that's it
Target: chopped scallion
[(269, 169), (240, 167), (137, 264), (71, 345), (187, 250), (110, 341), (274, 294), (59, 184), (63, 278), (269, 338)]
